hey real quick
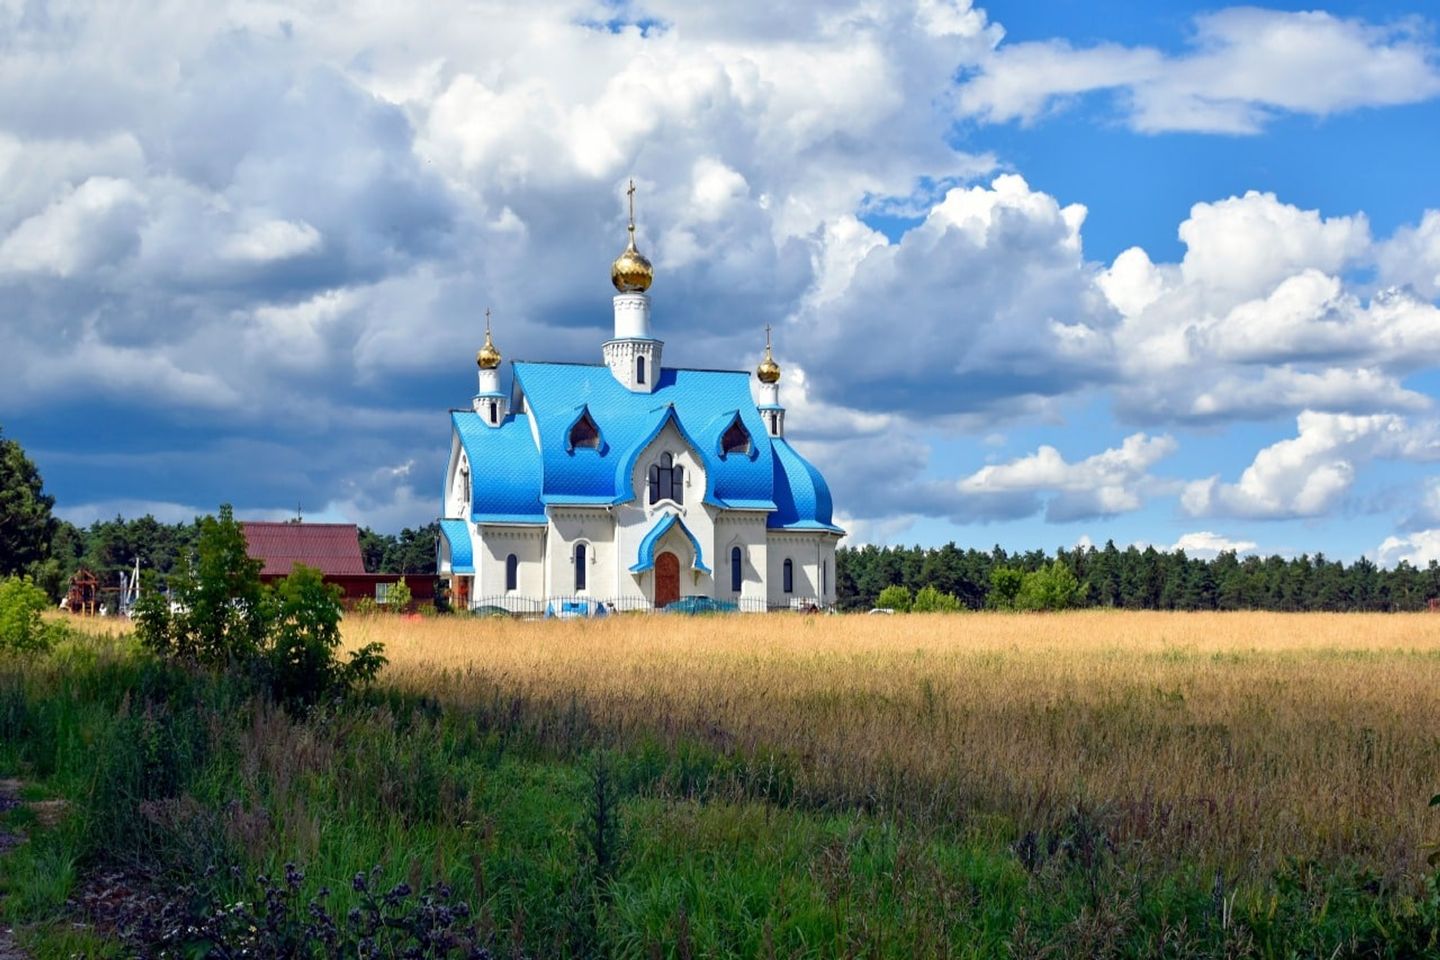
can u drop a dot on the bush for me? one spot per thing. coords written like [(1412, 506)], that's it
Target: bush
[(932, 600), (21, 626), (1005, 584), (399, 598), (222, 617), (895, 597), (1049, 588)]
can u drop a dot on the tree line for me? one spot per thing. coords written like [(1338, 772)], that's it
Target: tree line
[(1132, 578)]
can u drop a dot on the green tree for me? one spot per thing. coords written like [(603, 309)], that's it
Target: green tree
[(221, 613), (894, 597), (1049, 588), (1005, 584), (26, 524)]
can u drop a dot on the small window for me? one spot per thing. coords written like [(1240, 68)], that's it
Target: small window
[(824, 576), (585, 432), (494, 412), (639, 369), (580, 556), (667, 480), (737, 571), (789, 576), (512, 572), (736, 439), (382, 592)]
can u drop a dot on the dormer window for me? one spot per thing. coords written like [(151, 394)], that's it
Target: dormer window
[(667, 480), (639, 369), (735, 439), (584, 432)]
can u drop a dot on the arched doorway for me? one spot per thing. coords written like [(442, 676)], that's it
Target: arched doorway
[(667, 579)]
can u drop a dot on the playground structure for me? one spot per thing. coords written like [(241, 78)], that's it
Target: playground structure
[(88, 598)]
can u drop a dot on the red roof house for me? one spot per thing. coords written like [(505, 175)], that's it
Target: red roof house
[(331, 548)]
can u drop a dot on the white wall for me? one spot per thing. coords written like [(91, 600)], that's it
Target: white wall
[(746, 530), (808, 551), (593, 526), (635, 519), (496, 542)]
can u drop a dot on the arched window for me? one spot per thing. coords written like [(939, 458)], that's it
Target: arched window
[(585, 433), (667, 480), (512, 572), (494, 412), (737, 572), (639, 369), (788, 580), (736, 439)]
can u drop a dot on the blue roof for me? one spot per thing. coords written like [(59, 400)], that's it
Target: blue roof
[(457, 534), (802, 497), (513, 481), (504, 469), (646, 554), (701, 403)]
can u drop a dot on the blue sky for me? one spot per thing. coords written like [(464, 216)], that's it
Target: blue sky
[(1040, 273)]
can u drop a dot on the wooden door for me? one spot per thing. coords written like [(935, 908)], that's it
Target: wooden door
[(667, 579)]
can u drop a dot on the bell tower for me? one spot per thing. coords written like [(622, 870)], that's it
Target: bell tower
[(489, 402), (768, 373)]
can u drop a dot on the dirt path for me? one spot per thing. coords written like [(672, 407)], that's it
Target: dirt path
[(9, 800)]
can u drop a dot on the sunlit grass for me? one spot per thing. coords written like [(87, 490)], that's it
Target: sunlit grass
[(1242, 738)]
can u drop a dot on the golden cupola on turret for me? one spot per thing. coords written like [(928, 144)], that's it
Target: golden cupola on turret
[(488, 358), (769, 370), (631, 272)]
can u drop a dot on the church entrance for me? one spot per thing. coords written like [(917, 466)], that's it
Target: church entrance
[(667, 579)]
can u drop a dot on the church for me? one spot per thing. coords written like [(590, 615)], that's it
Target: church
[(630, 485)]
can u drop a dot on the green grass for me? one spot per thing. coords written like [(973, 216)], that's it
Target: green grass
[(169, 773)]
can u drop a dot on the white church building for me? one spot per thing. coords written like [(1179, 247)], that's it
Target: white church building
[(631, 484)]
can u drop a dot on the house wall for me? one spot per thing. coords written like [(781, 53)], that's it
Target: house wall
[(808, 551), (494, 543), (744, 529), (569, 526)]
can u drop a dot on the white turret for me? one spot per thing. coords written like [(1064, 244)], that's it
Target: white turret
[(633, 356), (489, 402), (768, 373)]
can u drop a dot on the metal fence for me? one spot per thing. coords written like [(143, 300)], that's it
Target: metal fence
[(562, 606)]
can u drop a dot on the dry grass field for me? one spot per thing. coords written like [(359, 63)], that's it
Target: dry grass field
[(1237, 740)]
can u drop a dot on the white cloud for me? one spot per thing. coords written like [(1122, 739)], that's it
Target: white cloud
[(1104, 484), (1245, 67), (1309, 474), (1205, 544), (1418, 549), (1411, 258), (273, 240), (92, 226)]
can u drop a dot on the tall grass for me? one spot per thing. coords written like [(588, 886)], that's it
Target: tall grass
[(1238, 740)]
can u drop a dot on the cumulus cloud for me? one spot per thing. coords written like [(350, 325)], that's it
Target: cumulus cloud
[(1111, 482), (1308, 475), (1205, 544), (1244, 67), (1419, 549)]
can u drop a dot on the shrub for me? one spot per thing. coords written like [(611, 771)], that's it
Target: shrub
[(300, 662), (895, 597), (398, 599), (931, 600), (222, 617), (21, 625), (365, 607), (1049, 588), (1005, 584)]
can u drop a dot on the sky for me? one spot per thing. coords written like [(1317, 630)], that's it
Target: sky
[(1040, 273)]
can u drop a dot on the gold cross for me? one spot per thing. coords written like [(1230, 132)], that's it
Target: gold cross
[(631, 194)]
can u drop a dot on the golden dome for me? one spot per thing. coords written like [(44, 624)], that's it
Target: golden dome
[(631, 272), (488, 358), (769, 370)]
